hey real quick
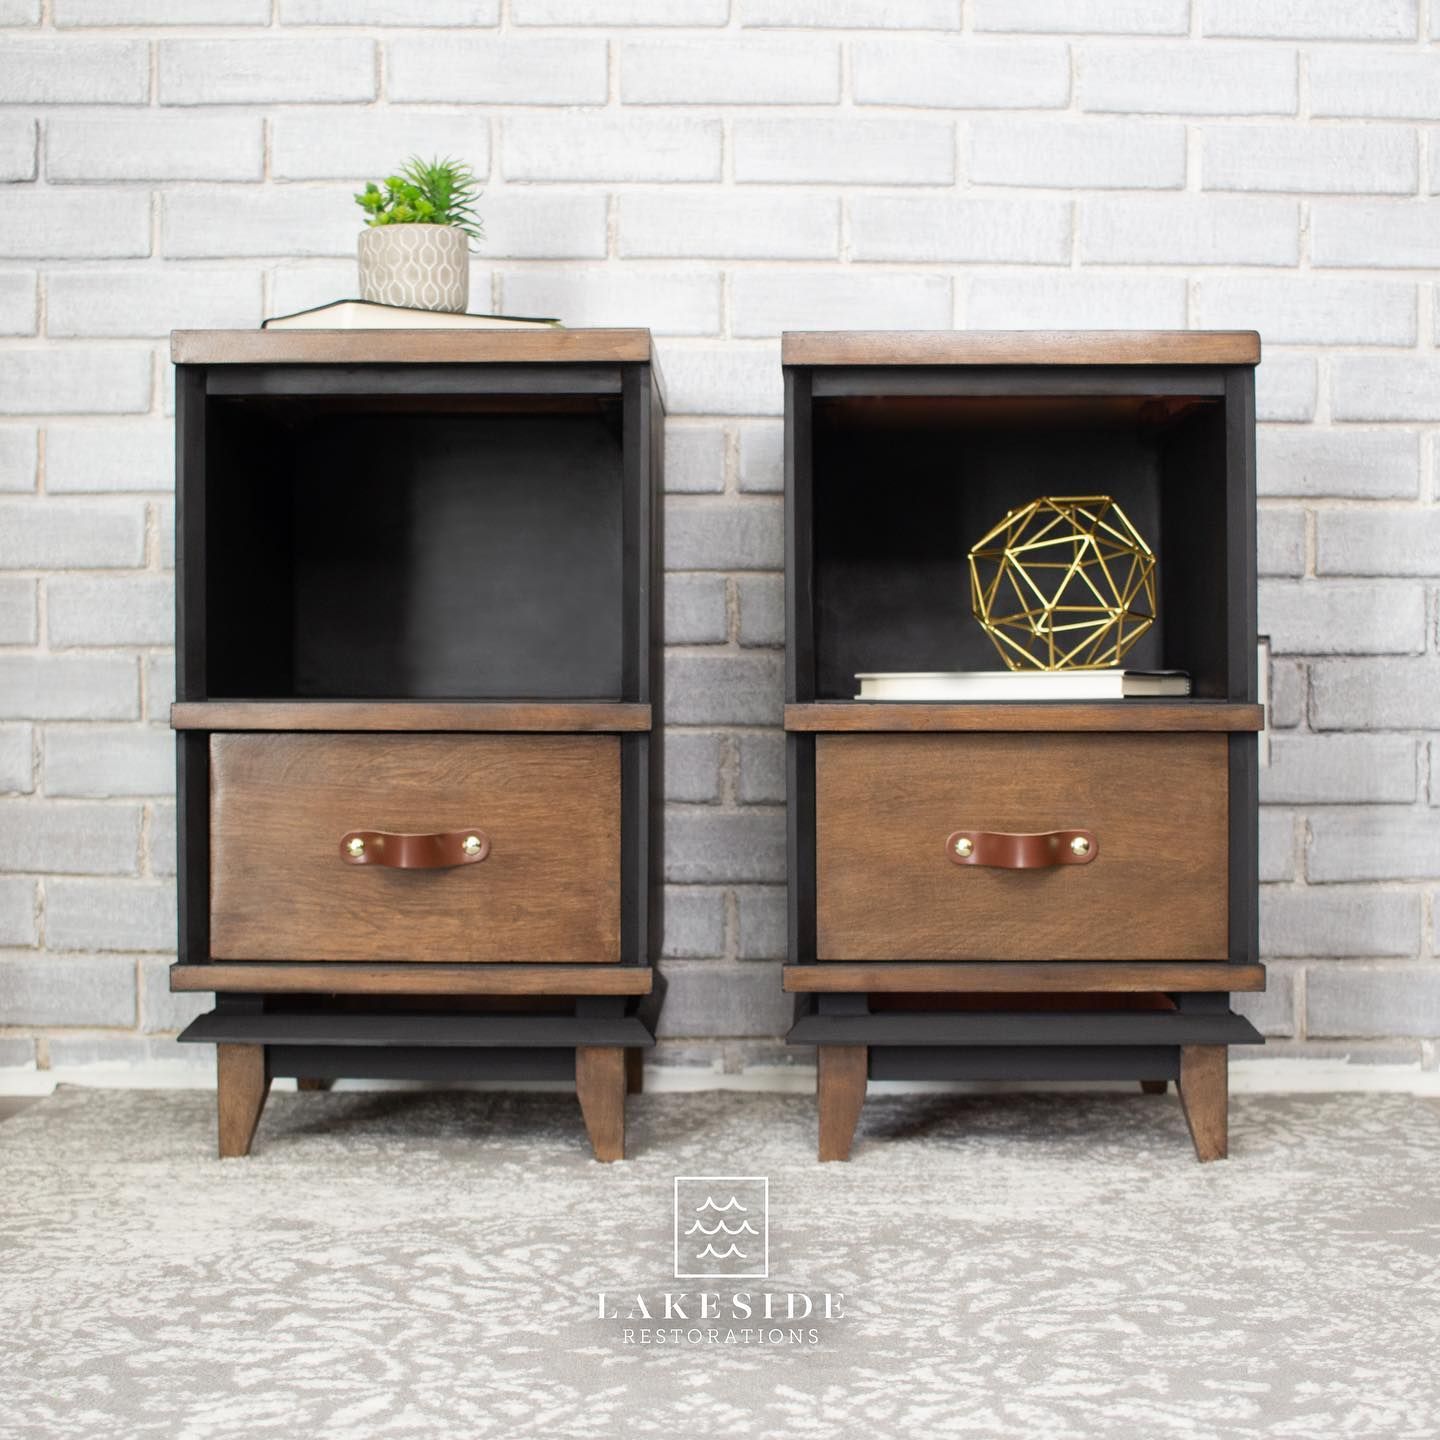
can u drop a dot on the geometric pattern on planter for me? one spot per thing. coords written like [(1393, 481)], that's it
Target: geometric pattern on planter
[(424, 267)]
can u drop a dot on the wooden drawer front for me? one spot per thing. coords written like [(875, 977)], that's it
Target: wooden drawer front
[(887, 890), (549, 890)]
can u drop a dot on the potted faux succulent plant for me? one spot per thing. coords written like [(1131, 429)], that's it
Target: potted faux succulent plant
[(415, 249)]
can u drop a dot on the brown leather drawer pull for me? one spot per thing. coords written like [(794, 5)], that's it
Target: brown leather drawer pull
[(1002, 851), (439, 850)]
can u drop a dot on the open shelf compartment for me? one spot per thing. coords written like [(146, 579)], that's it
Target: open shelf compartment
[(355, 551), (905, 483)]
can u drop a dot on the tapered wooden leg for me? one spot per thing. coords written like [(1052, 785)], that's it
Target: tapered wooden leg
[(312, 1082), (600, 1084), (840, 1090), (635, 1071), (1154, 1087), (242, 1083), (1204, 1087)]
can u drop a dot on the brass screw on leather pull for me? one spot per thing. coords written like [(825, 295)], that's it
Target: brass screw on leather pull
[(964, 846), (356, 846), (471, 844), (1079, 846)]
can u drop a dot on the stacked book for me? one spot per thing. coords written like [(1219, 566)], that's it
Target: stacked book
[(367, 315), (1004, 686)]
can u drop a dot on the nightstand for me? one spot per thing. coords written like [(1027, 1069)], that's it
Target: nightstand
[(1031, 890), (418, 688)]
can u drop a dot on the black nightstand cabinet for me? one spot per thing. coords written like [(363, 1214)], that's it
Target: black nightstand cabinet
[(901, 451), (417, 697)]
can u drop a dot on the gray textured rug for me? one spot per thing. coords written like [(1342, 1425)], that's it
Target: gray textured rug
[(1034, 1265)]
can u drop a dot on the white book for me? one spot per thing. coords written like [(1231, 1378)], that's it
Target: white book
[(367, 315), (1023, 685)]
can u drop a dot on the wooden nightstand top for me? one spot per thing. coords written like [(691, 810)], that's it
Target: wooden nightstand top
[(1089, 715), (553, 345), (1020, 347)]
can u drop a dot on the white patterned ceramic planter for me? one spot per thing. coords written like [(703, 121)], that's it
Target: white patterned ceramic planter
[(426, 267)]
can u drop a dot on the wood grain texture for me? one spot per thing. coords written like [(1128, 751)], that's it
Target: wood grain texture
[(550, 345), (840, 1079), (1157, 889), (440, 716), (1018, 976), (1020, 347), (1128, 716), (1204, 1087), (242, 1083), (548, 892), (600, 1088), (341, 978), (634, 1072)]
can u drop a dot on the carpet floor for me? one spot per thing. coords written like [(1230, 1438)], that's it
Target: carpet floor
[(1047, 1266)]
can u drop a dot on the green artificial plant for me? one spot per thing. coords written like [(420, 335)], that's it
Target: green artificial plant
[(434, 192)]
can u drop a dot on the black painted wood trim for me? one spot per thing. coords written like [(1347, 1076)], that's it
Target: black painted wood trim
[(506, 1031), (654, 813), (799, 541), (408, 1062), (896, 1027), (192, 752), (1198, 380), (190, 677), (454, 379), (1240, 526), (634, 849), (801, 945), (192, 846), (999, 1062), (1243, 876)]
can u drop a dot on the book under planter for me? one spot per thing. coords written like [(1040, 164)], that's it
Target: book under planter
[(417, 665)]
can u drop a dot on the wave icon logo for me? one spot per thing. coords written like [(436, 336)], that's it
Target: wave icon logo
[(722, 1227)]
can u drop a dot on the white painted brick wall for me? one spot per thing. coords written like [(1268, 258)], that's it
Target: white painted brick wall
[(1311, 19), (1287, 387), (1394, 234), (158, 12), (1303, 311), (1375, 85), (74, 70), (488, 71), (1189, 230), (1346, 160), (961, 74), (307, 144), (747, 72), (389, 12), (720, 170), (1176, 80), (17, 147), (1114, 17), (61, 224), (153, 146), (913, 227), (600, 146), (19, 302), (1078, 154), (248, 72), (846, 151)]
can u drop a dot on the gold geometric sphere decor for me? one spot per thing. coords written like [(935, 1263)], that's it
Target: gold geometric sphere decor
[(1063, 583)]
